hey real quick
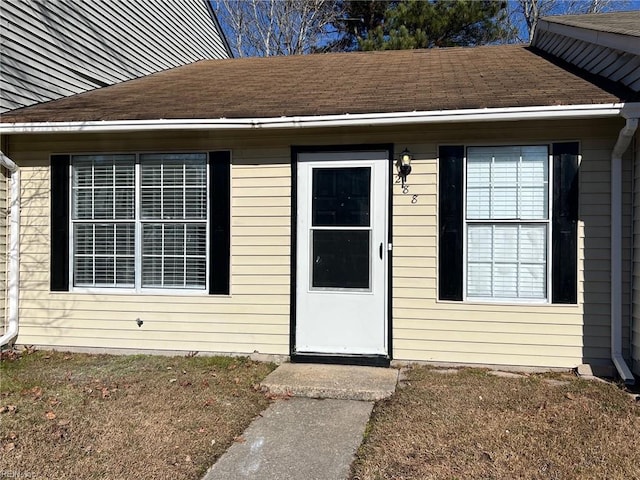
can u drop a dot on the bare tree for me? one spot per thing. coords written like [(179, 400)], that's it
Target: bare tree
[(264, 28)]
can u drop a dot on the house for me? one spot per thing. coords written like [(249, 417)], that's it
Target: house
[(609, 49), (56, 49), (447, 205)]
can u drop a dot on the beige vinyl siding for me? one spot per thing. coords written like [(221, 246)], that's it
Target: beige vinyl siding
[(518, 334), (52, 49), (255, 317)]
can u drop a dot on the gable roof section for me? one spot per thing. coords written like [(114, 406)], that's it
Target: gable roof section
[(333, 84), (621, 23), (603, 44)]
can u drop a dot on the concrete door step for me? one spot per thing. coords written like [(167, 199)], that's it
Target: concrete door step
[(344, 382)]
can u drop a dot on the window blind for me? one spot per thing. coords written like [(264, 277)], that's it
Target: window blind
[(103, 207), (169, 228), (507, 212), (173, 203)]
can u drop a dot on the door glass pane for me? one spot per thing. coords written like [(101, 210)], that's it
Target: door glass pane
[(341, 196), (340, 259)]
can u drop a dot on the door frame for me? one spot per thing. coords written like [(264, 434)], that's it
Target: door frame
[(371, 360)]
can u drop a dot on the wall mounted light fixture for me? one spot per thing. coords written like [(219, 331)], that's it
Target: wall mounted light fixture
[(404, 164)]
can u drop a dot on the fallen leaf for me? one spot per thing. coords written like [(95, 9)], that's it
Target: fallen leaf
[(50, 415), (487, 457), (36, 392), (187, 458), (240, 439), (9, 446), (29, 349), (279, 396), (47, 357), (54, 402), (236, 380), (569, 396), (64, 423)]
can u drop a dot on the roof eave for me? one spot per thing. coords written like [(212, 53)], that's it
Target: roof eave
[(318, 121), (616, 41)]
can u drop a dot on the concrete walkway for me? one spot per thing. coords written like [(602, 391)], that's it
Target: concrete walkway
[(307, 438)]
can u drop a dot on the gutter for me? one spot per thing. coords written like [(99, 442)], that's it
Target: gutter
[(624, 139), (316, 121), (13, 274)]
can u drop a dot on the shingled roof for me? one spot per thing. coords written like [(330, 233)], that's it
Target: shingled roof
[(335, 84), (623, 23)]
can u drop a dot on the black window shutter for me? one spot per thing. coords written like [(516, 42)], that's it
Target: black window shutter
[(220, 221), (564, 242), (450, 182), (59, 260)]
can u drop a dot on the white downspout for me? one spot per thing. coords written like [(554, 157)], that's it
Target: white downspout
[(13, 275), (624, 139)]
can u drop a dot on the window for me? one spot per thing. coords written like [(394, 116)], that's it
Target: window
[(139, 221), (507, 222)]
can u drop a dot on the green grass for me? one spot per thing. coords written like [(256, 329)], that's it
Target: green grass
[(472, 425), (116, 417)]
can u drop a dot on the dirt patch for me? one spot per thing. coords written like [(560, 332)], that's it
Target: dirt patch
[(478, 426), (120, 417)]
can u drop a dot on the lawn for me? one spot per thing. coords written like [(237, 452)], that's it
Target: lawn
[(473, 425), (123, 417)]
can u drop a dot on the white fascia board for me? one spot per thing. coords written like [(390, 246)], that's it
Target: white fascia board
[(318, 121), (616, 41)]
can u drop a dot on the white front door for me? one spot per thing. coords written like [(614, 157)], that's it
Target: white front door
[(341, 257)]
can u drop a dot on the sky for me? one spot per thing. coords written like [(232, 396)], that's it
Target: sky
[(560, 7)]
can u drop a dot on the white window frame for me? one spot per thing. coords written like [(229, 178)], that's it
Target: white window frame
[(138, 221), (548, 222)]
